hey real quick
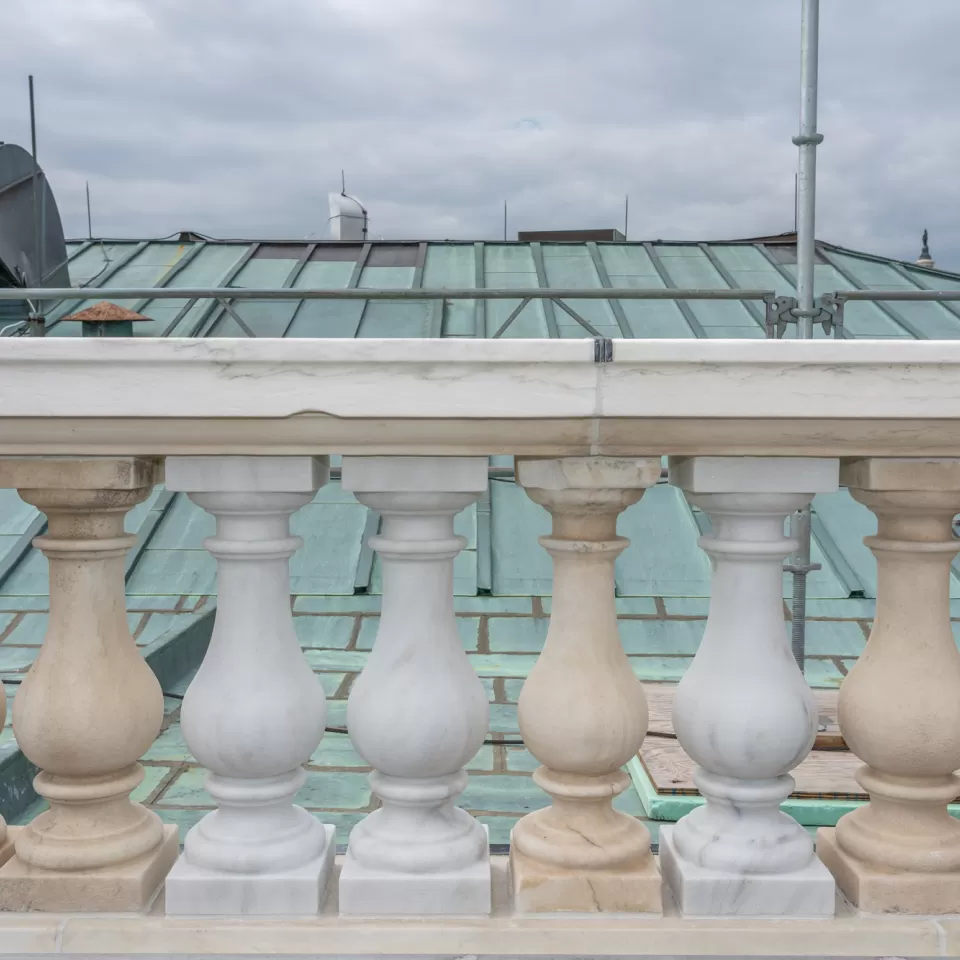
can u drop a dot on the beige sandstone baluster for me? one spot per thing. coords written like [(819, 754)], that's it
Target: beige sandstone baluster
[(90, 706), (6, 836), (900, 705), (582, 710)]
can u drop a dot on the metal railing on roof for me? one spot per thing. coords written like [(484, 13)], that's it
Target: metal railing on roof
[(779, 310), (225, 296)]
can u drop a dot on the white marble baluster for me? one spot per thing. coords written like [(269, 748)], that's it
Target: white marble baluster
[(582, 711), (90, 706), (418, 712), (255, 711), (743, 711)]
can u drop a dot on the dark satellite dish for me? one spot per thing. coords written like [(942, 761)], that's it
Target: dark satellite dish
[(32, 248)]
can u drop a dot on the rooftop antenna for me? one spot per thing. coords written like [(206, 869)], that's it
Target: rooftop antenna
[(504, 221), (807, 141), (626, 217), (89, 218), (37, 223)]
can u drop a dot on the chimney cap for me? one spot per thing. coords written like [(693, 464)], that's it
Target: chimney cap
[(106, 312)]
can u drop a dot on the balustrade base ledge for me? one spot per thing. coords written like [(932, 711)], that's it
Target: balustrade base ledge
[(540, 888), (6, 847), (701, 892), (503, 934), (366, 892), (125, 887), (192, 891), (875, 890)]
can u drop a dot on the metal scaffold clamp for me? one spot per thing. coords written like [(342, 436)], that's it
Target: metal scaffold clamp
[(831, 311), (780, 311)]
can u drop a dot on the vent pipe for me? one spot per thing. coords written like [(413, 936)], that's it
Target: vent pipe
[(348, 218)]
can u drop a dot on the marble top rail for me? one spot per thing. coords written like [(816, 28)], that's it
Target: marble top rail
[(113, 396)]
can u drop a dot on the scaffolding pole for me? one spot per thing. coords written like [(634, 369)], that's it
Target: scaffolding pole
[(807, 142)]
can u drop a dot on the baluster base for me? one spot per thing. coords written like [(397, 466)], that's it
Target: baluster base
[(119, 888), (873, 889), (6, 844), (809, 892), (365, 891), (193, 891), (634, 887)]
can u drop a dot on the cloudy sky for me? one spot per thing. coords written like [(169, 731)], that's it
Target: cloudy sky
[(235, 117)]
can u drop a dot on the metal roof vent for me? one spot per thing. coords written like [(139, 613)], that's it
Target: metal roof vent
[(348, 217), (105, 319)]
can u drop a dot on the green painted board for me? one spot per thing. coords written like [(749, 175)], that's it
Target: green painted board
[(661, 637), (521, 567), (847, 523), (821, 584), (687, 606), (663, 558), (332, 531), (834, 638), (516, 634), (184, 527), (15, 515), (29, 578), (174, 572)]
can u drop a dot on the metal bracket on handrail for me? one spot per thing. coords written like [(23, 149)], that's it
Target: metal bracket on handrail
[(832, 306), (779, 312), (602, 350), (828, 312)]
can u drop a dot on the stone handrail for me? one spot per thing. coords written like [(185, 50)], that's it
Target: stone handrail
[(442, 397)]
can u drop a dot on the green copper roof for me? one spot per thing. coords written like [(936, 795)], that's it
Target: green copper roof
[(769, 263)]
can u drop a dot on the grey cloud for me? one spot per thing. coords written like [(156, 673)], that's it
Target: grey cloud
[(234, 117)]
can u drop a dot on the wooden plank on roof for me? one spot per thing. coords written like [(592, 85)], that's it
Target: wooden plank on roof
[(823, 775), (660, 704)]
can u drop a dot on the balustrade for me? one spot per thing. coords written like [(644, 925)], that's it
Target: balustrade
[(254, 714)]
